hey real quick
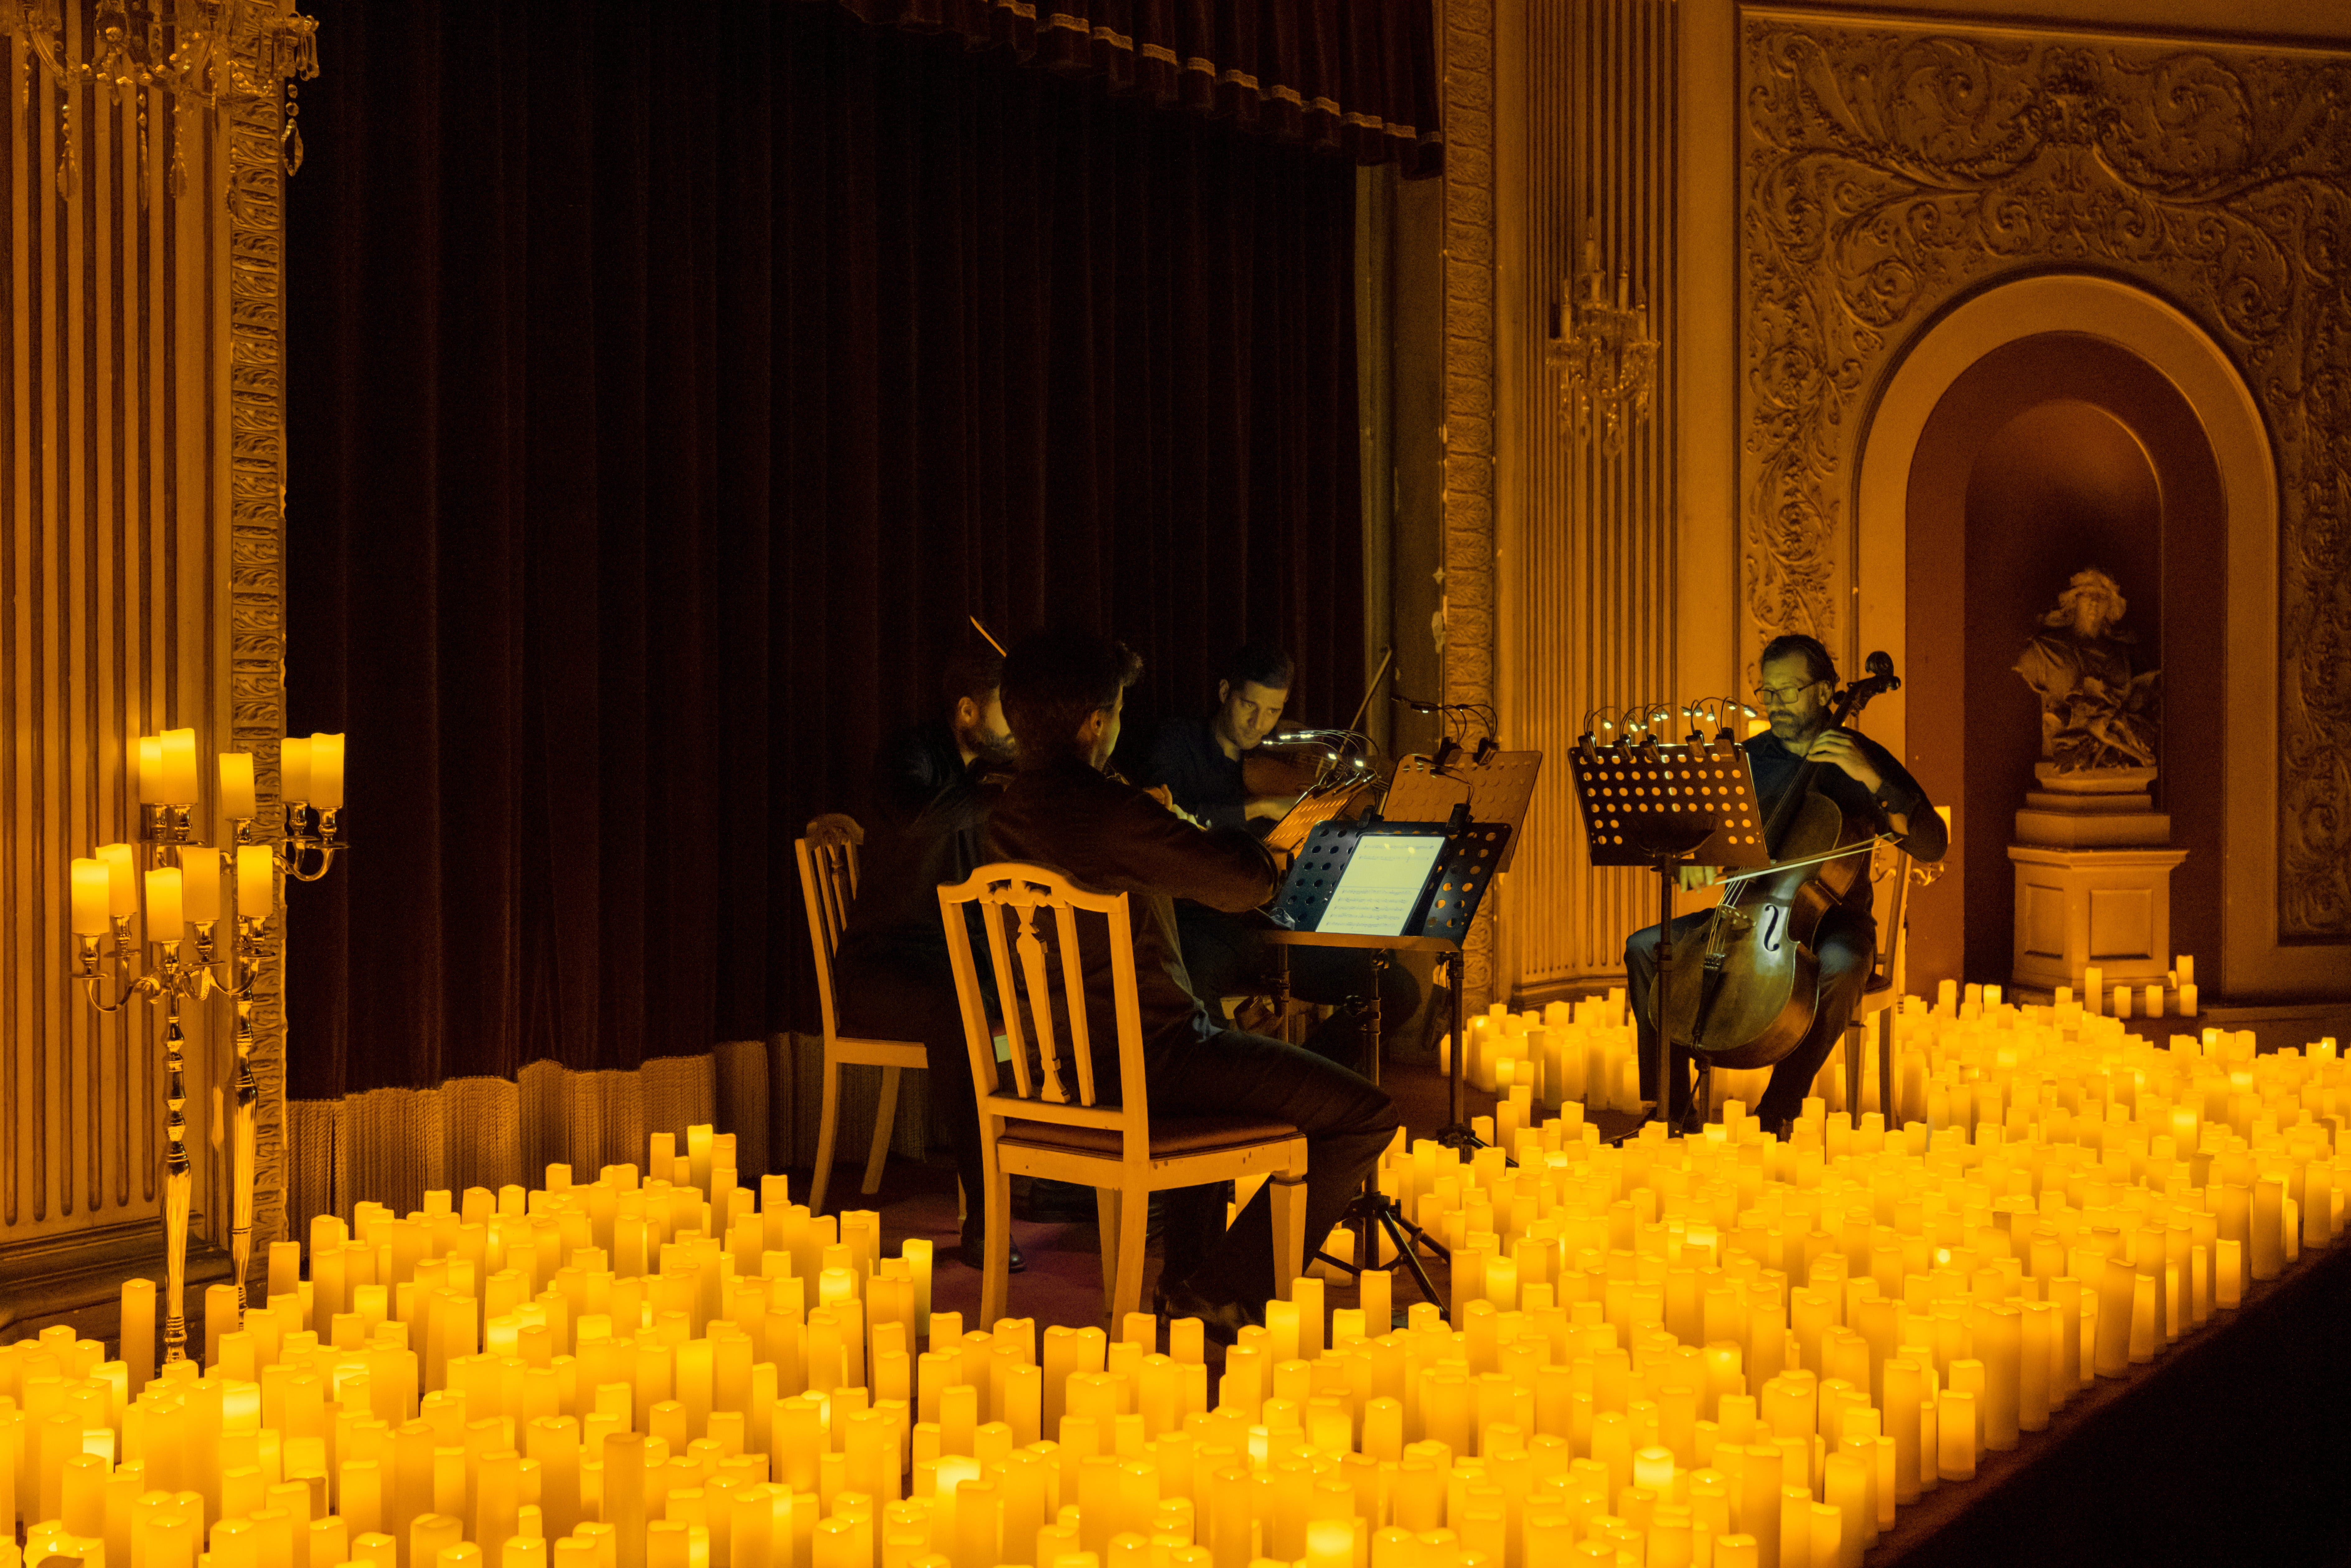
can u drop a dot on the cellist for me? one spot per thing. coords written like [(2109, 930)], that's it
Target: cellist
[(1858, 774)]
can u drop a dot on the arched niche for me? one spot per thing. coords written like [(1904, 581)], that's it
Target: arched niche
[(1995, 381)]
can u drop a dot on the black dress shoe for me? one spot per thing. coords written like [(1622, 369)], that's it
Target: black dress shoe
[(1221, 1320), (972, 1251)]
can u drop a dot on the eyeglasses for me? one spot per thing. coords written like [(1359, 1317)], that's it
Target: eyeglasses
[(1780, 696)]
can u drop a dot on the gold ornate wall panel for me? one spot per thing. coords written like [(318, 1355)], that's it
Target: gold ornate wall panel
[(1889, 169), (1589, 555), (139, 590)]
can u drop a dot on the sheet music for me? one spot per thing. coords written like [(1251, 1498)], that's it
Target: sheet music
[(1382, 884)]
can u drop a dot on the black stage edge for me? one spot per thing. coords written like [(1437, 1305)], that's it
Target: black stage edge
[(2234, 1446)]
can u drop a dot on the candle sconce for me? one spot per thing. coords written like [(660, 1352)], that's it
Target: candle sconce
[(188, 902)]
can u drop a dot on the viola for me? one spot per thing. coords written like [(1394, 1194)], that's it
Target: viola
[(1746, 995)]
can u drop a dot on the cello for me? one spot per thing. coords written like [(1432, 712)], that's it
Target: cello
[(1752, 995)]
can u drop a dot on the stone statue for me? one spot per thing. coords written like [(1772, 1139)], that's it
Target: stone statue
[(2094, 713)]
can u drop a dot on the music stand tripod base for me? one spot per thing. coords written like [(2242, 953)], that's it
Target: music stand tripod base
[(1371, 1212), (1666, 807)]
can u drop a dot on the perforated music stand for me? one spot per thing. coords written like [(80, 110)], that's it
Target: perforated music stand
[(1465, 869), (1666, 807)]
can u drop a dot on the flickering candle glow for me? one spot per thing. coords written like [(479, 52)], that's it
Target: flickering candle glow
[(236, 791), (179, 760), (257, 882), (166, 922), (327, 772), (89, 897), (200, 882), (121, 878), (294, 768)]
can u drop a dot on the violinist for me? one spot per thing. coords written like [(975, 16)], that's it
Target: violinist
[(1858, 774), (933, 784), (1207, 765), (1063, 693)]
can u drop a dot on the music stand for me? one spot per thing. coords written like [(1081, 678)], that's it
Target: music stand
[(1465, 869), (1666, 807)]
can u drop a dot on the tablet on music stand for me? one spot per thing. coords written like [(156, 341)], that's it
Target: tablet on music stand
[(1368, 879)]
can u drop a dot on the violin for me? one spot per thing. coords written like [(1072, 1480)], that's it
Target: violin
[(1751, 995), (1292, 762)]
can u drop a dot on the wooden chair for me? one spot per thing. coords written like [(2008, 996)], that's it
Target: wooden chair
[(1034, 1125), (828, 885)]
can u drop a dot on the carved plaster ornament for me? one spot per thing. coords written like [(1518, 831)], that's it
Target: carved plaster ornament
[(1889, 169), (2095, 711)]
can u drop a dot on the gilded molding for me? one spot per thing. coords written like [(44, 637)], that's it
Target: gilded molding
[(256, 436), (1886, 170), (1467, 88)]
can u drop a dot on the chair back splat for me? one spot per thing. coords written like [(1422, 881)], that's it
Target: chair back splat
[(1044, 1108)]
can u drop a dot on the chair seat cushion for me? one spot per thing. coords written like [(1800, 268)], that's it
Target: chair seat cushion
[(1169, 1134)]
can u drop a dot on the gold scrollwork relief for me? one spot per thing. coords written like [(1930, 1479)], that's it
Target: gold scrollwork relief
[(1886, 170)]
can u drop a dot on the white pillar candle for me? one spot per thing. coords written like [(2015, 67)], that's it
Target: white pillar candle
[(2153, 1003), (2184, 965), (2122, 1001), (294, 768), (236, 798), (257, 882), (2093, 988), (121, 879), (165, 921), (327, 772), (139, 1332), (90, 880), (180, 767), (200, 880), (2187, 998), (150, 749)]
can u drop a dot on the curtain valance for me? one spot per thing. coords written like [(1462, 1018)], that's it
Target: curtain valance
[(1352, 76)]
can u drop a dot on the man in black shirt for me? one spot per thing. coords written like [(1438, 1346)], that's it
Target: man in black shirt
[(1199, 762), (1063, 695), (1863, 778), (933, 786)]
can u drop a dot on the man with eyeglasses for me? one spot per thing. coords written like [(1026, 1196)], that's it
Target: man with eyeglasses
[(1864, 780)]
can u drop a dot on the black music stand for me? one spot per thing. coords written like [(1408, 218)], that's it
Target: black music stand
[(1666, 807), (1465, 868)]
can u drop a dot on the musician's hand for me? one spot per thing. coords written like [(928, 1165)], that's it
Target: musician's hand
[(1698, 876), (1838, 748), (1165, 797), (833, 829)]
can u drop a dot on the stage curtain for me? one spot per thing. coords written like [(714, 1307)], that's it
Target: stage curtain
[(666, 386), (1350, 76)]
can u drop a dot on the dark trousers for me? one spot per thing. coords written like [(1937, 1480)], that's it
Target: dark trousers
[(1347, 1121), (1845, 944), (905, 999), (1228, 956)]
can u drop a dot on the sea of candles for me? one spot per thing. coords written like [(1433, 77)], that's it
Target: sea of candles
[(1717, 1351)]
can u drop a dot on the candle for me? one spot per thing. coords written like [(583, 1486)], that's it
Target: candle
[(150, 748), (179, 768), (2187, 998), (294, 768), (327, 772), (1955, 1421), (2093, 988), (165, 922), (236, 785), (2155, 1001), (91, 880), (121, 879), (2184, 965), (139, 1332), (257, 882), (200, 880), (2228, 1274)]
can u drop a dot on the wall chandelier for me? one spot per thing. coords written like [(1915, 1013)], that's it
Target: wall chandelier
[(212, 54), (1607, 360)]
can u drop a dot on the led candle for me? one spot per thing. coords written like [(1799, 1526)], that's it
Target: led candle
[(2184, 965), (236, 795), (1955, 1419), (150, 750), (2187, 998), (327, 772), (165, 921), (179, 767), (89, 879), (2093, 979), (294, 768), (200, 880), (257, 882), (2154, 1006), (121, 879)]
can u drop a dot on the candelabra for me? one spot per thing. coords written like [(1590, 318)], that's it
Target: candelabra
[(1606, 357), (183, 892)]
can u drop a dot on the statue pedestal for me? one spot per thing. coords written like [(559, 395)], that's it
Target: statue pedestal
[(2092, 879)]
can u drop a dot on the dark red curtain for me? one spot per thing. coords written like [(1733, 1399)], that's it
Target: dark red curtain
[(667, 384)]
